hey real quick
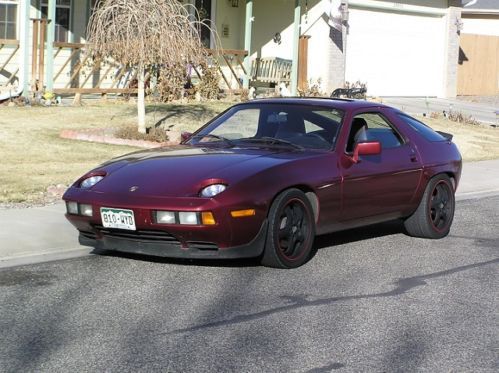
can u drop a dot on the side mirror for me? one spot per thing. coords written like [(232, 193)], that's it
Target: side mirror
[(184, 136), (366, 148)]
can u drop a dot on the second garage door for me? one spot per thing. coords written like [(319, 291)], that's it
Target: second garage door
[(396, 54)]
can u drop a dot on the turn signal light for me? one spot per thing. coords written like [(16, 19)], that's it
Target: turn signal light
[(207, 218), (243, 213)]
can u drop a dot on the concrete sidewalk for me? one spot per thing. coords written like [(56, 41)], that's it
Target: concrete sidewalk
[(39, 234)]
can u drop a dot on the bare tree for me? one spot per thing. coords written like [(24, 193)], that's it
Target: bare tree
[(142, 33)]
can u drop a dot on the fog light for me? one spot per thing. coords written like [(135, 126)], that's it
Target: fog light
[(72, 208), (243, 213), (165, 217), (86, 210), (207, 218), (188, 218)]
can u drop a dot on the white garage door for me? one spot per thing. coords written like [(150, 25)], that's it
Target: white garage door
[(396, 54)]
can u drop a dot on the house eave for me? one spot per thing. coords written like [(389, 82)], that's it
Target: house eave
[(480, 11)]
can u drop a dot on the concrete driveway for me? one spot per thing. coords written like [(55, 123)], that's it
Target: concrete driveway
[(484, 112)]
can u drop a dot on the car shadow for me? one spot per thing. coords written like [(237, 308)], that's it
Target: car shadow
[(321, 242), (359, 234), (228, 263)]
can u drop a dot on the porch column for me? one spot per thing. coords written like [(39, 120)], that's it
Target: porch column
[(25, 39), (296, 41), (49, 76), (247, 42)]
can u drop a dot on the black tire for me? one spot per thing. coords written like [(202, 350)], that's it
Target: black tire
[(291, 231), (434, 215)]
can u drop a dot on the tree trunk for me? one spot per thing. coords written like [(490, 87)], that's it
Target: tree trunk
[(77, 100), (141, 105)]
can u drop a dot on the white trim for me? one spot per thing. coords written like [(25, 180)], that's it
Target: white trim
[(480, 11), (397, 7)]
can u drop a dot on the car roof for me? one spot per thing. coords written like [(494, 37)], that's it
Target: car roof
[(337, 103)]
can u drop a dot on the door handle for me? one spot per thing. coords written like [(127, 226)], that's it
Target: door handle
[(413, 156)]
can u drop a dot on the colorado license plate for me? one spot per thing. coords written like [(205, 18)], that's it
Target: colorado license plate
[(117, 218)]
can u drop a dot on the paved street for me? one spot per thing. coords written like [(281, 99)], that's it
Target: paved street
[(484, 112), (372, 300)]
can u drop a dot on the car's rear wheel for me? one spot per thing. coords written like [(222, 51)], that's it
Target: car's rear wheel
[(291, 231), (434, 215)]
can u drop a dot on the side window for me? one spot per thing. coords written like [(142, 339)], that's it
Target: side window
[(373, 127)]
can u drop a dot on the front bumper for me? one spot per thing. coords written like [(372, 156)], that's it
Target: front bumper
[(229, 238), (164, 245)]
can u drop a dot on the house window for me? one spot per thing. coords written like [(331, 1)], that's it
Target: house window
[(62, 18), (200, 10), (8, 19), (204, 13)]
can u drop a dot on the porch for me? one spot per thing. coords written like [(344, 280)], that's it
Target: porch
[(46, 50)]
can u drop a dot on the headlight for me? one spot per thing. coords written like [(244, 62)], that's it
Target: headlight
[(165, 217), (188, 218), (86, 210), (90, 181), (213, 190), (72, 207)]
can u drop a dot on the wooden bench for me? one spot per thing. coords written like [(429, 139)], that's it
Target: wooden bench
[(270, 71)]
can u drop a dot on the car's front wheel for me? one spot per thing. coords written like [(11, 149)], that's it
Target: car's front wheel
[(434, 215), (291, 231)]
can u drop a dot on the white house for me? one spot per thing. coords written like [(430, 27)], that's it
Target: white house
[(398, 47)]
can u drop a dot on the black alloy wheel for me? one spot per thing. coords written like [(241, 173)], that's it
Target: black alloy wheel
[(291, 231), (435, 213)]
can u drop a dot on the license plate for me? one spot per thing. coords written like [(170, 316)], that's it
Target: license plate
[(117, 218)]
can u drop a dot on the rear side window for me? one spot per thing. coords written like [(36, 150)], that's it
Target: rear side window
[(422, 128)]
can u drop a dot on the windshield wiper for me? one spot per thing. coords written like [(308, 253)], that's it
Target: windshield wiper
[(266, 140), (212, 136)]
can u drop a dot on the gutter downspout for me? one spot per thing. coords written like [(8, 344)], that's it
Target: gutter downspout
[(296, 41), (247, 42), (22, 87), (49, 50)]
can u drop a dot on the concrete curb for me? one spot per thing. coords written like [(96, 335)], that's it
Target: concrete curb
[(475, 195), (57, 254)]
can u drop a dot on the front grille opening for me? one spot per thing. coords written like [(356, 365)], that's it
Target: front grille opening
[(207, 246), (139, 235), (89, 235)]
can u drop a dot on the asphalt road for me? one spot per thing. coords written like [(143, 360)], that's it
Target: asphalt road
[(372, 300)]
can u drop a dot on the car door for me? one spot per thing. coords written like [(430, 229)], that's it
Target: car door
[(380, 185)]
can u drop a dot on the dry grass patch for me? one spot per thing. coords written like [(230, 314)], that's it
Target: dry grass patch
[(475, 142), (34, 157)]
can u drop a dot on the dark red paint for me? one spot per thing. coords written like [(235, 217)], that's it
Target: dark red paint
[(370, 186)]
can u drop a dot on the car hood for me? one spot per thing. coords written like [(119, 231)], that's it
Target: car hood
[(183, 170)]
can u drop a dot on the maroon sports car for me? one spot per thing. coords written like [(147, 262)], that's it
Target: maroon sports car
[(265, 177)]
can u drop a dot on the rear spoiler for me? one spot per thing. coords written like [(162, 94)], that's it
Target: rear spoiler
[(447, 136)]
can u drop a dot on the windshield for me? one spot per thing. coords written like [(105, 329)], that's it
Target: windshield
[(273, 125)]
